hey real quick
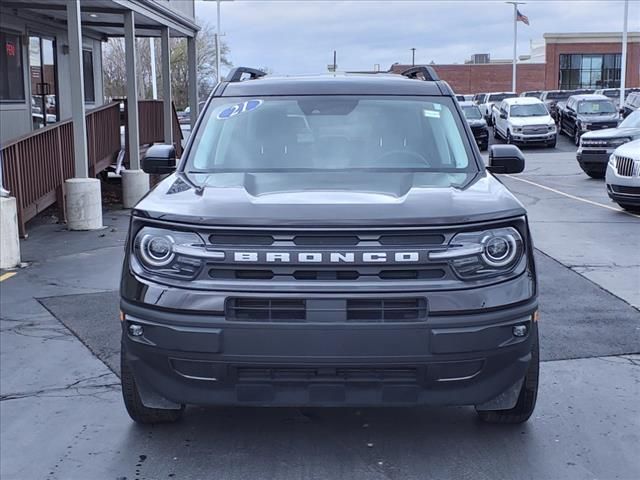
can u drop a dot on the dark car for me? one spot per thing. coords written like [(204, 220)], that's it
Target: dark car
[(331, 240), (583, 113), (551, 98), (596, 147), (477, 123)]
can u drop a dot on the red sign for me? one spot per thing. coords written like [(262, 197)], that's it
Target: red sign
[(10, 48)]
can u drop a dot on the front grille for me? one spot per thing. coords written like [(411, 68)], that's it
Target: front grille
[(340, 310), (535, 130), (623, 189), (595, 143), (330, 374), (602, 126), (625, 166), (292, 273)]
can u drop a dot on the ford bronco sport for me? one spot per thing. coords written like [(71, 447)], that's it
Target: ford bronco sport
[(331, 240)]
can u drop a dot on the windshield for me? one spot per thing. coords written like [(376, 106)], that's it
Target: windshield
[(472, 112), (498, 97), (533, 110), (558, 95), (532, 94), (611, 93), (596, 107), (632, 121), (321, 133)]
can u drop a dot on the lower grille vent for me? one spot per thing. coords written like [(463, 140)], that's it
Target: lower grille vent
[(386, 310), (327, 374), (266, 310)]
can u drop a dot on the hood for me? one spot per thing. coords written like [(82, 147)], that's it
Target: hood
[(608, 117), (611, 133), (526, 121), (630, 149), (326, 199)]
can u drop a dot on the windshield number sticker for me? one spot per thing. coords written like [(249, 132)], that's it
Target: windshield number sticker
[(239, 108), (431, 113)]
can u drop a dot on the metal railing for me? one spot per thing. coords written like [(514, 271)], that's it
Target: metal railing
[(36, 165)]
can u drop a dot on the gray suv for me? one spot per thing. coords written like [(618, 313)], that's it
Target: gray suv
[(331, 240)]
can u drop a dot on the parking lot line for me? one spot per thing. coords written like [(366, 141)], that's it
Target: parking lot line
[(580, 199), (6, 276)]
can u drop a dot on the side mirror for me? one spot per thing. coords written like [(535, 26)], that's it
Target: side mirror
[(505, 159), (503, 115), (160, 159)]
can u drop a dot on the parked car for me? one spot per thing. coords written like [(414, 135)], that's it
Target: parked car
[(524, 120), (184, 117), (612, 93), (460, 98), (468, 98), (583, 113), (490, 99), (477, 123), (330, 243), (596, 147), (532, 93), (623, 176), (551, 99), (631, 104), (478, 98)]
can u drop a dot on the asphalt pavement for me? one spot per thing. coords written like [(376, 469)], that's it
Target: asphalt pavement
[(62, 415)]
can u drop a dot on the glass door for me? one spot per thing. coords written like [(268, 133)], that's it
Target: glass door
[(43, 74)]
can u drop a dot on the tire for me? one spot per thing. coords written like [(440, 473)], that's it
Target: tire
[(528, 393), (133, 403), (552, 143), (576, 135), (496, 135), (595, 174), (509, 140), (630, 208)]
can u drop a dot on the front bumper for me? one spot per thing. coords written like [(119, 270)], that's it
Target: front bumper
[(594, 159), (622, 189), (524, 139), (447, 359)]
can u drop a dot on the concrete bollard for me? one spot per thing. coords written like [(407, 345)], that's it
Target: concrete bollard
[(135, 184), (9, 242), (84, 204)]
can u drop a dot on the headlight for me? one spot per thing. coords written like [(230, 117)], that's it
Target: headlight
[(517, 129), (616, 142), (551, 127), (483, 254), (612, 160), (170, 253), (585, 126)]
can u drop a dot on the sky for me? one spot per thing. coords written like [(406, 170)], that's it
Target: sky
[(299, 36)]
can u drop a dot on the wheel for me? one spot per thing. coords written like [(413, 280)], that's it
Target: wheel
[(528, 393), (509, 139), (630, 208), (132, 401), (496, 135), (552, 143), (595, 173), (576, 136)]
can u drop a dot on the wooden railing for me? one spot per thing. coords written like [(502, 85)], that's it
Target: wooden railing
[(151, 125), (36, 165)]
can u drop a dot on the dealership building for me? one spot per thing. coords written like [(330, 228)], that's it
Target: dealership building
[(563, 61)]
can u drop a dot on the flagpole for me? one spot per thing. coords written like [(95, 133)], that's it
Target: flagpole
[(515, 43), (623, 64)]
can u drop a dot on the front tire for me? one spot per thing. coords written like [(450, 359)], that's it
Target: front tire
[(630, 208), (133, 403), (496, 135), (552, 143), (528, 393), (576, 136), (509, 138)]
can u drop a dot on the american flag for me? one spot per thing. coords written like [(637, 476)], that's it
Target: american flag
[(522, 18)]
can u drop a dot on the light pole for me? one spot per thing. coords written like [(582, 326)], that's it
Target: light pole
[(413, 57), (623, 64), (515, 42), (217, 38)]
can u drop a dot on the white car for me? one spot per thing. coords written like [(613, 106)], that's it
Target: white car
[(623, 176), (487, 102), (524, 120)]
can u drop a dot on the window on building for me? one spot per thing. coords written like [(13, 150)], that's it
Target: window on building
[(87, 72), (11, 74), (589, 71)]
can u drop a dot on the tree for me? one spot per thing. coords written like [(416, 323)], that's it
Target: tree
[(115, 76)]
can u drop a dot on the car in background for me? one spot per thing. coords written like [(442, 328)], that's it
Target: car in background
[(612, 93), (477, 123), (532, 93), (583, 113), (596, 147), (460, 98), (631, 104), (486, 107), (478, 98), (524, 120), (551, 99), (468, 98), (623, 176), (184, 117)]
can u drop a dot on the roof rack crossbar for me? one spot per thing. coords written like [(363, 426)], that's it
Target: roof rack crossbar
[(427, 73), (235, 75)]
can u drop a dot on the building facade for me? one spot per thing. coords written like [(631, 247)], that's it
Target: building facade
[(570, 61)]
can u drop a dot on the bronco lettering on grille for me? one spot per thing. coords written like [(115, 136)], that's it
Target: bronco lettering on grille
[(327, 257)]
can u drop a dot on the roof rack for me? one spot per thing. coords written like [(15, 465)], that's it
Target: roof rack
[(235, 75), (423, 72)]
